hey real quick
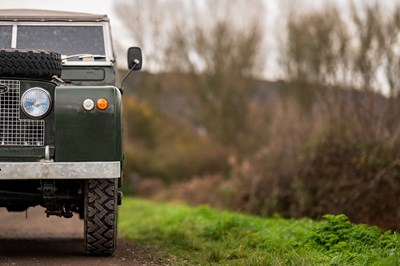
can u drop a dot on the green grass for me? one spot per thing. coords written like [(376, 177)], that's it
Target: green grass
[(205, 236)]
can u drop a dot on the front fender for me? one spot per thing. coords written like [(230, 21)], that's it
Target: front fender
[(83, 135)]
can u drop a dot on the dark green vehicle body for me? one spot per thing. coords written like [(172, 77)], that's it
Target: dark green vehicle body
[(79, 135), (101, 130), (68, 159)]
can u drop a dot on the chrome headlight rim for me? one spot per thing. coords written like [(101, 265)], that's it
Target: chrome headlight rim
[(46, 93)]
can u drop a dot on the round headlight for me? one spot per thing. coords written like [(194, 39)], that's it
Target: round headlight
[(36, 102)]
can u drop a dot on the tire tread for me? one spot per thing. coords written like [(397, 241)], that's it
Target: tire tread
[(29, 63), (101, 217)]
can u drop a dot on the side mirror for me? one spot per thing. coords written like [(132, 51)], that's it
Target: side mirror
[(134, 58)]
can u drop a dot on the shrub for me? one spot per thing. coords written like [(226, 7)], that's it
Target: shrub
[(158, 146), (331, 173)]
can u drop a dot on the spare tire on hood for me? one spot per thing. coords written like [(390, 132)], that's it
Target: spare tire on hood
[(27, 63)]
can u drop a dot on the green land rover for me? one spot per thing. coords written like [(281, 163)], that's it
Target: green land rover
[(60, 119)]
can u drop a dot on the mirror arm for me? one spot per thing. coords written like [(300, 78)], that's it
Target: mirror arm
[(136, 62)]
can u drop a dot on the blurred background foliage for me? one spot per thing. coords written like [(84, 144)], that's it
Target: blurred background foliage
[(202, 126)]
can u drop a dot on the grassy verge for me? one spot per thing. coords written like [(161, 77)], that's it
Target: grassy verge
[(193, 236)]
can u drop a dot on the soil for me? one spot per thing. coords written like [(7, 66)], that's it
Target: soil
[(30, 238)]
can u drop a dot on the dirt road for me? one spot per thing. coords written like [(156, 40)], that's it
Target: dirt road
[(38, 240)]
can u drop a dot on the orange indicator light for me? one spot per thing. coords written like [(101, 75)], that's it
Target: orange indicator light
[(102, 104)]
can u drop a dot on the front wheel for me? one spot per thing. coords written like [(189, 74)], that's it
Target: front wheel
[(100, 216)]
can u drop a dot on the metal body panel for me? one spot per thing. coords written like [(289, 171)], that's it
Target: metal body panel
[(63, 170), (88, 75), (82, 135), (25, 154), (48, 15)]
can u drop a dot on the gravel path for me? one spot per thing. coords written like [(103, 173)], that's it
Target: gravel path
[(37, 240)]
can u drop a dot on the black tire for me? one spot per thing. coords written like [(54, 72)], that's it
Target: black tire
[(100, 222), (24, 63)]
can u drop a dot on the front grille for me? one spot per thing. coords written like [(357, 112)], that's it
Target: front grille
[(15, 131)]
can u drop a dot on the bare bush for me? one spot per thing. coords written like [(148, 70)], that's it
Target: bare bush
[(327, 51), (218, 43), (317, 48), (341, 155)]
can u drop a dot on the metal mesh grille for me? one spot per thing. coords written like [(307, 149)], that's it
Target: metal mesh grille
[(13, 130)]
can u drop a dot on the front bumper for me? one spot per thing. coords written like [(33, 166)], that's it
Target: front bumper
[(59, 170)]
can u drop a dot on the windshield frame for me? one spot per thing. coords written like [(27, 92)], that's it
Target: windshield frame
[(109, 60)]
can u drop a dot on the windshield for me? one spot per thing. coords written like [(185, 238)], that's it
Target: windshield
[(5, 36), (66, 40)]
